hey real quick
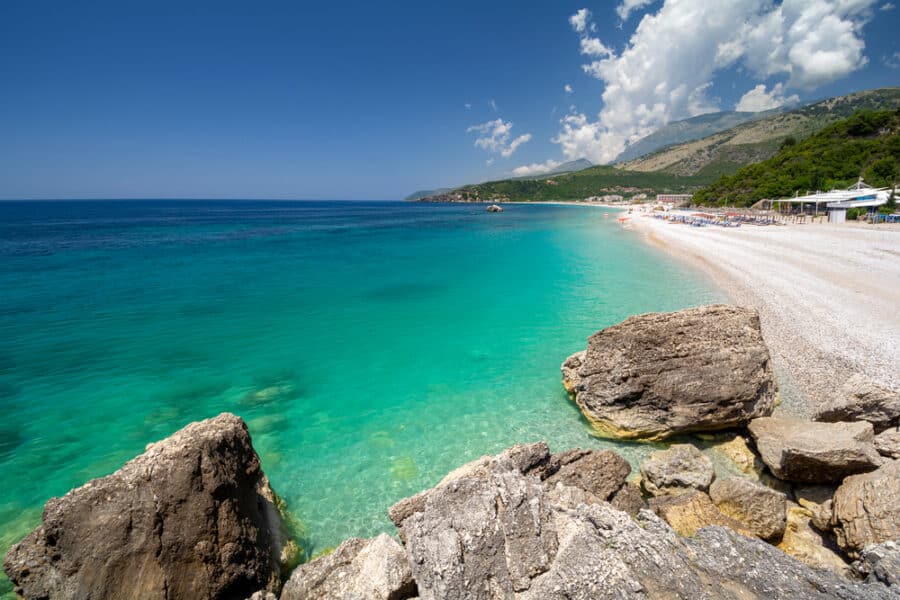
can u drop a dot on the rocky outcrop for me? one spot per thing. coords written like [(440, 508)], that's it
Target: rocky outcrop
[(494, 208), (863, 400), (759, 509), (600, 472), (866, 509), (502, 529), (679, 469), (373, 569), (192, 517), (690, 512), (659, 374), (797, 450), (887, 443)]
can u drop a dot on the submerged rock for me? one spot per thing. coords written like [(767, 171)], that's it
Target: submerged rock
[(797, 450), (759, 509), (659, 374), (679, 469), (192, 517), (863, 400), (373, 569), (866, 508)]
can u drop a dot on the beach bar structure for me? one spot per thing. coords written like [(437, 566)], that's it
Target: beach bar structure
[(836, 202)]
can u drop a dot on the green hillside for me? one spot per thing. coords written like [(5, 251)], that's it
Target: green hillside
[(595, 181), (867, 144), (725, 152)]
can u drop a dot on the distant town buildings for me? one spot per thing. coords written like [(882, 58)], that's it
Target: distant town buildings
[(674, 198)]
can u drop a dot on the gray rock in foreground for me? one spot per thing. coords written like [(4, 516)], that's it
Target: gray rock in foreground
[(680, 468), (499, 531), (881, 562), (373, 569), (887, 443), (804, 451), (659, 374), (192, 517), (863, 400)]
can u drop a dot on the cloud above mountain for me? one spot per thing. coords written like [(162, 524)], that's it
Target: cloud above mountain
[(666, 70)]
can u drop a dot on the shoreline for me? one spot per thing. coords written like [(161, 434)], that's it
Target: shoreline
[(826, 294)]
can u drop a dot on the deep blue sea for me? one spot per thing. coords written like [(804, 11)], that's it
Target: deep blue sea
[(370, 346)]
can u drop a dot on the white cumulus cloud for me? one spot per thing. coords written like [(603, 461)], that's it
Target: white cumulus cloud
[(536, 168), (568, 88), (665, 71), (624, 9), (496, 137), (758, 99)]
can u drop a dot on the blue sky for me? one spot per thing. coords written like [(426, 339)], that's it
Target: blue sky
[(375, 100)]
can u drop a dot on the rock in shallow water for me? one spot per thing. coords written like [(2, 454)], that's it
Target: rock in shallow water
[(192, 517), (659, 374), (797, 450)]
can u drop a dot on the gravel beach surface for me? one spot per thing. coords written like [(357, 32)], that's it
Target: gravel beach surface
[(828, 296)]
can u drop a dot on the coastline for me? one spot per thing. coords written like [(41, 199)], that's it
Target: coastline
[(826, 295)]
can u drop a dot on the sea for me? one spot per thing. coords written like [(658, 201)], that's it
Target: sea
[(371, 347)]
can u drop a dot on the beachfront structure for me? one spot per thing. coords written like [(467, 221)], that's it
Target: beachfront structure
[(836, 202), (674, 198)]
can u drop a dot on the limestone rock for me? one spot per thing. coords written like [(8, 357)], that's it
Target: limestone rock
[(862, 400), (689, 512), (887, 443), (809, 546), (600, 472), (500, 533), (358, 569), (494, 208), (867, 510), (192, 517), (881, 562), (679, 469), (797, 450), (629, 499), (760, 509), (659, 374)]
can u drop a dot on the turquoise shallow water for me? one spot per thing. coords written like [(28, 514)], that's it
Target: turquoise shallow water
[(371, 347)]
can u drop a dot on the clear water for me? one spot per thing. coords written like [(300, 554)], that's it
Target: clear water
[(371, 347)]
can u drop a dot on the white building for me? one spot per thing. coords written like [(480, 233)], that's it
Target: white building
[(674, 198), (836, 202)]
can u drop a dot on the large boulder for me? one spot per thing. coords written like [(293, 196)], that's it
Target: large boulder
[(866, 508), (499, 531), (659, 374), (797, 450), (600, 472), (373, 569), (192, 517), (758, 508), (679, 469), (863, 400)]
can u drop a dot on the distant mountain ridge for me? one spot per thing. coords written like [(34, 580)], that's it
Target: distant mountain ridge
[(695, 128), (725, 152), (566, 167)]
